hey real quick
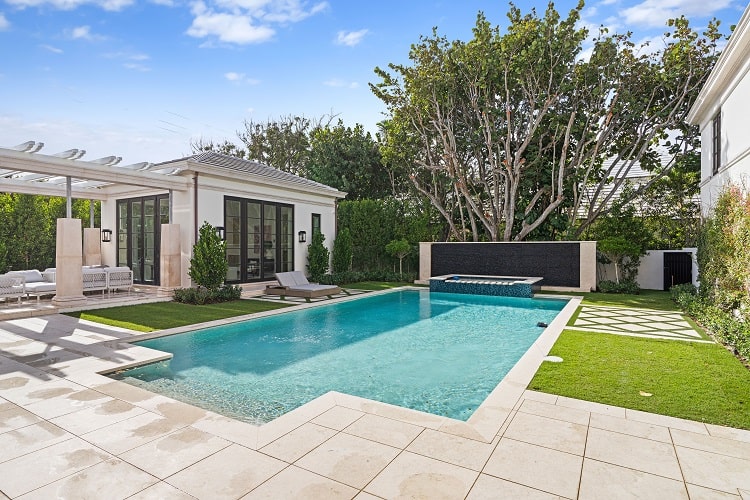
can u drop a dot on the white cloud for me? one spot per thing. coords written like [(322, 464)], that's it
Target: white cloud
[(336, 82), (247, 21), (136, 67), (4, 23), (83, 33), (52, 49), (656, 12), (227, 27), (350, 38), (112, 5), (240, 78)]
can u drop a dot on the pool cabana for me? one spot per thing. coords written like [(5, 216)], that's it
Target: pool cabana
[(150, 214)]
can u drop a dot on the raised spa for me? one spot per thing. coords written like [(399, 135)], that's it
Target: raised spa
[(507, 286)]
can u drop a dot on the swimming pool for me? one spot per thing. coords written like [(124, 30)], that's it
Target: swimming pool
[(435, 352)]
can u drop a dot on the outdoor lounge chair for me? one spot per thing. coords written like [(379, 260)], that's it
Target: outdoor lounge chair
[(295, 284), (11, 286), (36, 283)]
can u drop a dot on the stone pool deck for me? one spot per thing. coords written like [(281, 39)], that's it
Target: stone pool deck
[(67, 432)]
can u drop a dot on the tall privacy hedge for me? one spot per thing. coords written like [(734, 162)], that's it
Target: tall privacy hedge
[(373, 224), (723, 301)]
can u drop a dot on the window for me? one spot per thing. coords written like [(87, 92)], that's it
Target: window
[(315, 223), (259, 239), (716, 143)]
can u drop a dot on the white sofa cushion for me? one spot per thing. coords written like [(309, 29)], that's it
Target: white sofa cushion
[(31, 276)]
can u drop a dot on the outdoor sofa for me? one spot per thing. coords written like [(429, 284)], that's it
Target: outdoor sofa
[(295, 284), (32, 282)]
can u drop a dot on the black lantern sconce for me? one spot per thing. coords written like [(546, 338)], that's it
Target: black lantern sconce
[(220, 232), (302, 236), (106, 235)]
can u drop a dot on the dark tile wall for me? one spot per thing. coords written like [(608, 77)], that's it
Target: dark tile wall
[(557, 263)]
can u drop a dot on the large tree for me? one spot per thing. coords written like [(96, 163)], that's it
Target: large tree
[(509, 130), (348, 159)]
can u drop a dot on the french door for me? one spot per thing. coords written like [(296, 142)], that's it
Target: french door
[(139, 223), (259, 238)]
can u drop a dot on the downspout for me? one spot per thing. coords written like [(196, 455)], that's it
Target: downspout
[(195, 208)]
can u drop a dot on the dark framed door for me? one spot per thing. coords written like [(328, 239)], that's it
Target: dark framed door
[(678, 268), (259, 239), (139, 223)]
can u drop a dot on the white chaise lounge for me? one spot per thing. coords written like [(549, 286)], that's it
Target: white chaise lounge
[(295, 284)]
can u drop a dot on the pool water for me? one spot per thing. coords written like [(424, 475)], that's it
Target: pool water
[(436, 352)]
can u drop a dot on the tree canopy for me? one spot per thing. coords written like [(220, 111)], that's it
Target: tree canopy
[(510, 130)]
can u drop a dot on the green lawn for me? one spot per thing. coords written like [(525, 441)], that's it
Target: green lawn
[(163, 315), (647, 299), (702, 382), (375, 285)]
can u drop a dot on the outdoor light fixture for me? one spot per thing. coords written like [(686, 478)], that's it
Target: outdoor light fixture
[(220, 232), (302, 236), (106, 235)]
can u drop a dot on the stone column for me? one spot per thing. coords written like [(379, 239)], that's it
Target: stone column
[(588, 266), (92, 246), (425, 262), (69, 275), (170, 271)]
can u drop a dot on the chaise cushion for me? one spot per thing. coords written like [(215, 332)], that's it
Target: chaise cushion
[(40, 287)]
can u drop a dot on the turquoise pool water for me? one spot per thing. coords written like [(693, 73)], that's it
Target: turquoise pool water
[(436, 352)]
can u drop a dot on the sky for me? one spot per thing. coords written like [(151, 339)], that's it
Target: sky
[(142, 79)]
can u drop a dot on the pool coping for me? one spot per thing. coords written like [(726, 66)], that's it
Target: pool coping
[(483, 425)]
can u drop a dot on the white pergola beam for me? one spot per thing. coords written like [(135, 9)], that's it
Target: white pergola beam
[(48, 189), (46, 164)]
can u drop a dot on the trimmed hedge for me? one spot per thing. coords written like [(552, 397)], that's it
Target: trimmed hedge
[(201, 295)]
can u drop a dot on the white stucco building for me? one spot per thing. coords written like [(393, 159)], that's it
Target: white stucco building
[(722, 110), (151, 213)]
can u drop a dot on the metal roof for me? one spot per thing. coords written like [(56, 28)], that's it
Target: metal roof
[(23, 169), (254, 168)]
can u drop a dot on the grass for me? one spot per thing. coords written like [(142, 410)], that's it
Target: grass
[(163, 315), (702, 382), (647, 299), (375, 285)]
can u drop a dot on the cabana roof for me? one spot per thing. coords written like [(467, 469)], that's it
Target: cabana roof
[(23, 169)]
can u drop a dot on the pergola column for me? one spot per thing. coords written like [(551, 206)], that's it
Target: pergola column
[(170, 258), (69, 262), (92, 246)]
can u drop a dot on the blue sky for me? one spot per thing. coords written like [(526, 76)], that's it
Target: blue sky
[(141, 79)]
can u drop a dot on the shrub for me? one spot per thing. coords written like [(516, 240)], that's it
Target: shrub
[(197, 296), (629, 287), (317, 256), (342, 251), (677, 292), (375, 275), (201, 295), (208, 265)]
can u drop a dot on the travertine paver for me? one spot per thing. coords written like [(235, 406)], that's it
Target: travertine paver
[(604, 480), (137, 443), (294, 482), (414, 476), (636, 322), (229, 473)]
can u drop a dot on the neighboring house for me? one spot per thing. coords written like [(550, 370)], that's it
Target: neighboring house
[(722, 111), (151, 213)]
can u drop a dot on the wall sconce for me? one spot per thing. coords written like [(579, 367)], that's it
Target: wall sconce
[(106, 235), (302, 236), (220, 232)]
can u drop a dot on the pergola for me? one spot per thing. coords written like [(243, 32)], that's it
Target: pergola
[(23, 169)]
